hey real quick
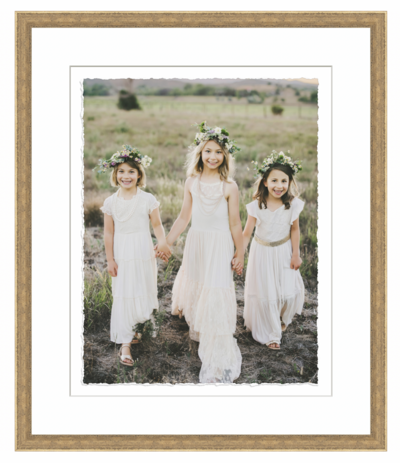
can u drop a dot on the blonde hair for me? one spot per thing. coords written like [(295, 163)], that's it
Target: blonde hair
[(195, 166), (135, 165)]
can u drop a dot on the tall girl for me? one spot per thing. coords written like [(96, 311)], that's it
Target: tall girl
[(203, 290), (274, 289), (129, 248)]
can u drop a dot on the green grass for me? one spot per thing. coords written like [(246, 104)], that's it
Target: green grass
[(97, 300)]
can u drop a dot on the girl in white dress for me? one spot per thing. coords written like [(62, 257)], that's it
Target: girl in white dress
[(203, 290), (129, 247), (274, 289)]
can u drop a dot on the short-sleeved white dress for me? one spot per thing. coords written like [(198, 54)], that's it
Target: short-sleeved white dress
[(204, 290), (134, 289), (272, 289)]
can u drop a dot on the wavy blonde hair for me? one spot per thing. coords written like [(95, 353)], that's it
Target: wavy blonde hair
[(135, 165), (194, 162)]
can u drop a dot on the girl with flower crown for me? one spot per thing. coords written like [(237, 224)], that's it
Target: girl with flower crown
[(203, 290), (129, 247), (274, 289)]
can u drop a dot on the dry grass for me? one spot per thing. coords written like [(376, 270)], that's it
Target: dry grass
[(162, 130)]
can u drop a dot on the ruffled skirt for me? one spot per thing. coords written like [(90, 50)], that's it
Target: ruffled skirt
[(134, 288), (204, 291), (272, 291)]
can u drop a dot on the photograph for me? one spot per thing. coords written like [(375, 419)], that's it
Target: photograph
[(200, 231)]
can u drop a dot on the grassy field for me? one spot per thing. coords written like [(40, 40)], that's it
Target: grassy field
[(162, 130)]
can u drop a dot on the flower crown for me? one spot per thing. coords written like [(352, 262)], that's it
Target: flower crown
[(277, 158), (121, 156), (221, 136)]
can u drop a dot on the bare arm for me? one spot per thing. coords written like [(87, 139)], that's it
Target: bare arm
[(158, 228), (234, 220), (184, 217), (112, 266), (295, 237), (248, 230)]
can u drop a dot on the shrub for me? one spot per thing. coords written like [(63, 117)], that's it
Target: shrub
[(128, 101), (304, 99), (277, 110), (95, 90)]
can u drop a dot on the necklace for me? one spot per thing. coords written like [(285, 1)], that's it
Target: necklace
[(123, 210), (210, 206)]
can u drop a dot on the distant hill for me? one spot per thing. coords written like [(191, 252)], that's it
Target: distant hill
[(250, 84)]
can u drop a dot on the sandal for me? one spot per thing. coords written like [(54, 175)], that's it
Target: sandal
[(283, 326), (273, 348), (122, 357), (137, 337)]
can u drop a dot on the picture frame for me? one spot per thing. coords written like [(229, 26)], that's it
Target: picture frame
[(25, 440)]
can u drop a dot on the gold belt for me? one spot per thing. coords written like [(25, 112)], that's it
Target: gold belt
[(271, 243)]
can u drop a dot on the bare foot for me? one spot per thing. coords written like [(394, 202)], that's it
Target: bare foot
[(274, 345)]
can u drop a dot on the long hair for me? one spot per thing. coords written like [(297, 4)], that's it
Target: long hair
[(261, 193), (135, 165), (194, 162)]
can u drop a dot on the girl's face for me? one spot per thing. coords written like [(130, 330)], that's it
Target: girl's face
[(277, 183), (127, 176), (212, 155)]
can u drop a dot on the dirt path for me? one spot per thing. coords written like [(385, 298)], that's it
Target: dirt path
[(172, 357)]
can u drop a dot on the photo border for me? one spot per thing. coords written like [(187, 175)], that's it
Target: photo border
[(25, 22)]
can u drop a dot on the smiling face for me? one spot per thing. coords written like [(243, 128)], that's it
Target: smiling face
[(277, 183), (127, 176), (212, 155)]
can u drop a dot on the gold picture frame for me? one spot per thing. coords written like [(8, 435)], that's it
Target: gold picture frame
[(25, 440)]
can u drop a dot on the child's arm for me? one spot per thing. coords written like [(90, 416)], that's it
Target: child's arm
[(248, 230), (184, 217), (295, 237), (158, 228), (235, 225), (112, 266)]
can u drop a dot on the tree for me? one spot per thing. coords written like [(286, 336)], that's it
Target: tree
[(314, 97), (255, 97)]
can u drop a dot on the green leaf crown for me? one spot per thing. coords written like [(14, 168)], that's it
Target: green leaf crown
[(217, 134), (121, 156), (277, 158)]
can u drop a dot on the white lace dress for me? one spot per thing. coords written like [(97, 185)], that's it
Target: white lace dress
[(272, 288), (134, 289), (204, 288)]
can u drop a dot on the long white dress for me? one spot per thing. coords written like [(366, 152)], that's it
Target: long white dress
[(204, 288), (272, 288), (134, 289)]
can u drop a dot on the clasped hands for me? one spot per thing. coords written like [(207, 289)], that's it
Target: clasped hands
[(162, 251), (237, 264)]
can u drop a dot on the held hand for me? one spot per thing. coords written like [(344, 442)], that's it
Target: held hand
[(164, 248), (295, 262), (237, 265), (160, 254), (112, 268)]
